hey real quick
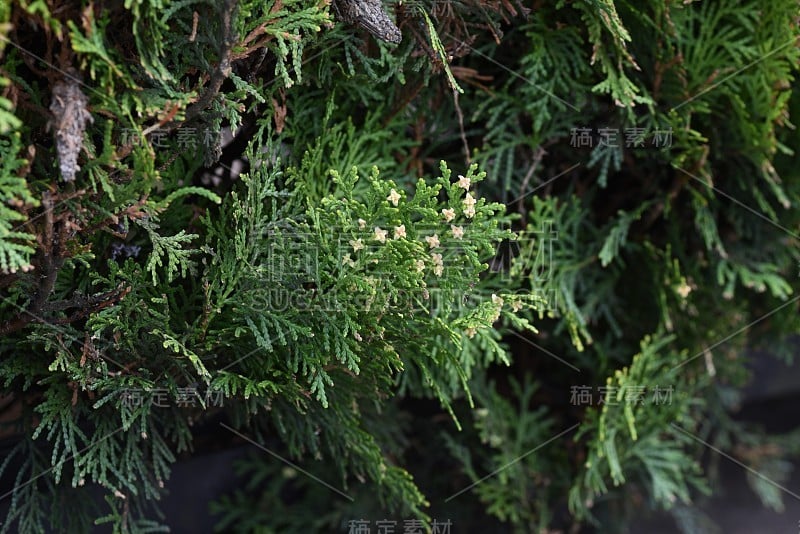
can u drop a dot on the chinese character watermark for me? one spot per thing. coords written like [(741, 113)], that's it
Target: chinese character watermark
[(581, 395), (610, 137), (160, 397), (390, 526)]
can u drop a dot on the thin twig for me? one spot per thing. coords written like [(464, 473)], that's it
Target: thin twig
[(461, 126)]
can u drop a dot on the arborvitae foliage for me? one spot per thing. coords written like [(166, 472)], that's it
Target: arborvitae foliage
[(251, 216)]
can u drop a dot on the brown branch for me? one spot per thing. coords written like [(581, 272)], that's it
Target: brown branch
[(133, 212), (49, 261), (223, 69), (79, 300), (56, 231), (88, 305)]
